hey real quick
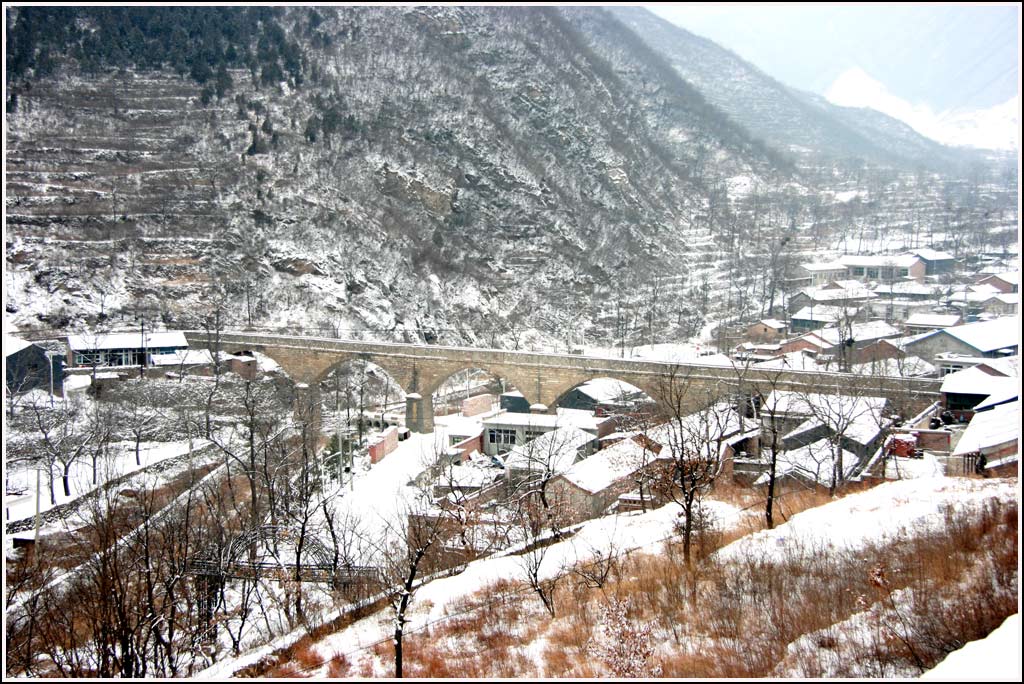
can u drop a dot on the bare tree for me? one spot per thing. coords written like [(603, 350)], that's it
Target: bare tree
[(64, 437), (402, 549), (691, 441)]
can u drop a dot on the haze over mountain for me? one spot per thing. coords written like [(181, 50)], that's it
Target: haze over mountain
[(951, 71)]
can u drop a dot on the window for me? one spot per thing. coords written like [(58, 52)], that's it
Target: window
[(502, 437)]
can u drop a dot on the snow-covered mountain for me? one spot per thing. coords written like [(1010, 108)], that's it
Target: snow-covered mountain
[(494, 171), (800, 123), (994, 128)]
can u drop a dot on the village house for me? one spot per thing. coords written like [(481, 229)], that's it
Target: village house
[(936, 262), (857, 421), (116, 350), (604, 396), (810, 466), (993, 434), (767, 330), (988, 339), (884, 268), (623, 473), (810, 342), (816, 274), (29, 366), (748, 351), (1002, 304), (506, 429), (550, 453), (833, 293), (590, 487), (986, 384), (817, 317), (928, 322), (1003, 282), (861, 333)]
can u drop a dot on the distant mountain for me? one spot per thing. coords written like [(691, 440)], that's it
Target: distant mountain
[(799, 123)]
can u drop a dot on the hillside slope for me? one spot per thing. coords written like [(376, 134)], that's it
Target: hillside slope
[(497, 164), (804, 125)]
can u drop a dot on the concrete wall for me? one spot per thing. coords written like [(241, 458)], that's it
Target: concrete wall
[(474, 406)]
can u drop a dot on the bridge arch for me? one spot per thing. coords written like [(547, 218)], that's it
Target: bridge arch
[(557, 393), (604, 390)]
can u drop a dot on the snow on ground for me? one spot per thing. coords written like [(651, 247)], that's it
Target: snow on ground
[(379, 496), (900, 468), (885, 513), (120, 460), (986, 659), (611, 534)]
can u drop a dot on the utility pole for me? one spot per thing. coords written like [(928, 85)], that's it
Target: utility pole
[(142, 360)]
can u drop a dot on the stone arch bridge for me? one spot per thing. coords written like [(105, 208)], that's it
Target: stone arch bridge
[(544, 378)]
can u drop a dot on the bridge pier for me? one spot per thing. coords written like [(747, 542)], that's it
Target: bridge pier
[(307, 408), (419, 413)]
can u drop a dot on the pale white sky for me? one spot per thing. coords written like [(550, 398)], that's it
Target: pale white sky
[(950, 71)]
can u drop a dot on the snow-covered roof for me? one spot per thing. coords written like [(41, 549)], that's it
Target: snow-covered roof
[(813, 462), (132, 340), (773, 323), (929, 254), (1005, 298), (825, 314), (860, 332), (823, 266), (987, 336), (933, 320), (1008, 365), (974, 380), (13, 345), (833, 408), (469, 475), (901, 261), (907, 367), (512, 393), (833, 294), (1005, 394), (187, 357), (607, 389), (812, 338), (456, 425), (1011, 277), (905, 287), (792, 361), (991, 429), (555, 451), (605, 467), (862, 428)]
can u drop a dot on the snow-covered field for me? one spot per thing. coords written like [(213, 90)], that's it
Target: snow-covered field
[(118, 461)]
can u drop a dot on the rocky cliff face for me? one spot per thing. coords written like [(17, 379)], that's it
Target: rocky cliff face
[(443, 174)]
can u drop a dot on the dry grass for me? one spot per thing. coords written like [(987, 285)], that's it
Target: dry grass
[(307, 657), (749, 618)]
